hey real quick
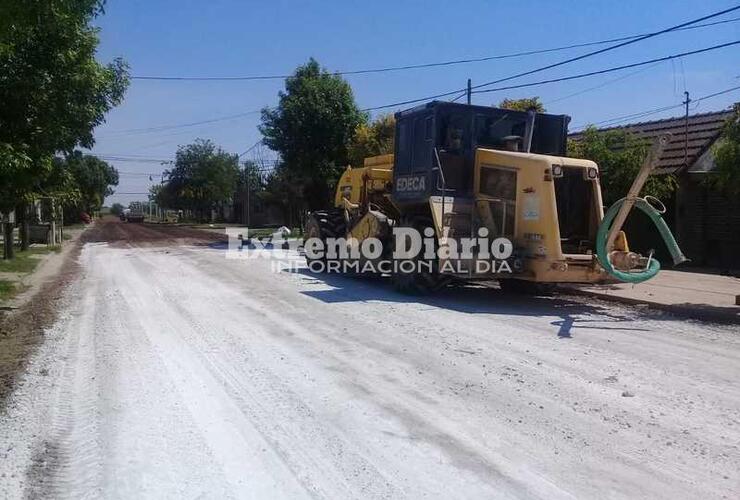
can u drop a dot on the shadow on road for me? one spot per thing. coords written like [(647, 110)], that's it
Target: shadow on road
[(471, 299)]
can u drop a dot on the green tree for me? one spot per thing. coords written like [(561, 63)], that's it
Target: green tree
[(251, 176), (250, 188), (619, 155), (204, 178), (524, 104), (116, 209), (93, 177), (52, 89), (163, 195), (312, 127), (371, 139), (282, 190), (727, 156), (14, 163)]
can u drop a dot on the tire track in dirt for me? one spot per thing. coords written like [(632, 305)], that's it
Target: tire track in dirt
[(68, 462), (275, 398)]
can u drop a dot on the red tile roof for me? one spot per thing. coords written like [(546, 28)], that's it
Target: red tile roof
[(703, 130)]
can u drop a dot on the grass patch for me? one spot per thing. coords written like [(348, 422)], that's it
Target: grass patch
[(25, 261), (7, 289)]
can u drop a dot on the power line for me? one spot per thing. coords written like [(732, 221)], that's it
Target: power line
[(625, 41), (142, 160), (560, 63), (413, 101), (250, 148), (161, 128), (640, 114), (607, 49), (609, 70), (445, 63), (601, 85), (127, 155), (133, 160), (566, 78)]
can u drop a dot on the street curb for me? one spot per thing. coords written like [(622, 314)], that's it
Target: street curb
[(697, 312)]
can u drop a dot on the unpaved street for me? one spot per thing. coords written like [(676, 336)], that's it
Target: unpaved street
[(173, 372)]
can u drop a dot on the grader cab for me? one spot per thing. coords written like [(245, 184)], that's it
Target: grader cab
[(494, 192)]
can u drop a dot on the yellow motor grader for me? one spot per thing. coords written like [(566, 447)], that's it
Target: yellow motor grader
[(495, 183)]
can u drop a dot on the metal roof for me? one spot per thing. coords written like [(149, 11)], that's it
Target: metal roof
[(703, 130)]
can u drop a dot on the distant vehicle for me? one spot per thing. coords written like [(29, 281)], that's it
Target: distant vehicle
[(135, 212), (85, 218)]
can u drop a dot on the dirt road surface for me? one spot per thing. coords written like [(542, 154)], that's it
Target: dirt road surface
[(174, 372)]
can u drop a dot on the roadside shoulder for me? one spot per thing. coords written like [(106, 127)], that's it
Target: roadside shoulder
[(697, 296), (22, 324)]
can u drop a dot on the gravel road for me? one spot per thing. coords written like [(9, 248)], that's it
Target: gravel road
[(174, 372)]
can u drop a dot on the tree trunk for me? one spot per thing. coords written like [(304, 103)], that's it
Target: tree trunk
[(23, 226), (8, 239)]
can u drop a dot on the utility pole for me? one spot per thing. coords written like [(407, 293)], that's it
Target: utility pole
[(246, 167), (686, 131), (470, 90)]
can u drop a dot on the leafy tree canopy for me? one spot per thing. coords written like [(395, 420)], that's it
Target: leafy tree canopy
[(727, 156), (203, 177), (251, 176), (619, 155), (116, 209), (284, 190), (524, 104), (372, 139), (93, 178), (312, 128), (52, 89), (14, 163)]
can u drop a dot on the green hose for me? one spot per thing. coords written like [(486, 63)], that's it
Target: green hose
[(654, 266)]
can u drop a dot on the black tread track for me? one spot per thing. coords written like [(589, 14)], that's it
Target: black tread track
[(424, 282), (331, 224)]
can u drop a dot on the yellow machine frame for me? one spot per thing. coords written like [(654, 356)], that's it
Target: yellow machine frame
[(536, 227)]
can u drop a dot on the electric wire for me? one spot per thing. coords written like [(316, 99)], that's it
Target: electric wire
[(641, 114), (609, 70), (559, 63), (627, 38)]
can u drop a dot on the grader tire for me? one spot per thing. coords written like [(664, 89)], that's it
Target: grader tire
[(423, 282), (325, 224)]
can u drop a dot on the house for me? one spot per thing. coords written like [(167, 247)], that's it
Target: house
[(704, 220)]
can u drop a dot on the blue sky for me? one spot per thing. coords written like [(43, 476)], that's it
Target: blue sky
[(235, 38)]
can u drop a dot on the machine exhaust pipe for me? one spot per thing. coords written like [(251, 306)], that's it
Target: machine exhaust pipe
[(529, 130)]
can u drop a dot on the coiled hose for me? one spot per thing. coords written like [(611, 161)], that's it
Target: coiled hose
[(653, 266)]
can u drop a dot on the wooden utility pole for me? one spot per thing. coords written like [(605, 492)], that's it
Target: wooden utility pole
[(686, 131), (246, 171), (470, 90), (648, 165)]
